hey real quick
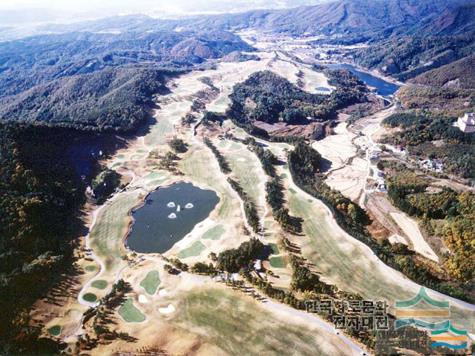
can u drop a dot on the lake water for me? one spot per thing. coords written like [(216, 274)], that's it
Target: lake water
[(168, 215), (383, 87)]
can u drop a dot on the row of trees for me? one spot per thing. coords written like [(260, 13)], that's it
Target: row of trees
[(234, 260), (250, 210), (223, 163), (353, 219)]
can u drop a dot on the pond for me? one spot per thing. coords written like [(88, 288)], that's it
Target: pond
[(383, 87), (168, 215)]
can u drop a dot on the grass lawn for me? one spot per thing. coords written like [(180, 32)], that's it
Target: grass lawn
[(239, 326), (55, 330), (214, 233), (99, 284), (247, 168), (193, 250), (150, 282), (89, 297), (130, 313), (106, 235), (277, 262), (90, 268), (200, 165)]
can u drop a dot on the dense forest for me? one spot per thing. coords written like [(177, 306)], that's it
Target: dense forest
[(40, 197), (269, 98), (459, 74), (408, 56), (419, 131), (118, 98), (445, 213)]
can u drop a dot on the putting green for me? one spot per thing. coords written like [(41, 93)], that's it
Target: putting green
[(214, 233), (55, 330), (99, 284), (130, 313), (90, 268), (89, 297), (193, 250), (277, 262), (150, 282)]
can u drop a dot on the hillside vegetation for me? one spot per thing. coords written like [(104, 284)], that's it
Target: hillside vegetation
[(459, 75), (39, 207), (267, 97), (91, 80), (408, 56), (447, 214), (118, 98), (433, 136)]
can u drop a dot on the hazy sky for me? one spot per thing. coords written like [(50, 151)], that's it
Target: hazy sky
[(34, 12), (177, 6)]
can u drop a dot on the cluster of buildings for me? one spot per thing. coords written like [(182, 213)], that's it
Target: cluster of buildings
[(433, 165)]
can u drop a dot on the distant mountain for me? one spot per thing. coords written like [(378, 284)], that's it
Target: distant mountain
[(370, 17)]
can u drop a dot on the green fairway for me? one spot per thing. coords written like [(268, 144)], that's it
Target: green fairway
[(214, 233), (55, 330), (239, 326), (193, 250), (248, 170), (277, 262), (99, 284), (130, 313), (151, 282), (89, 297), (108, 232), (196, 165)]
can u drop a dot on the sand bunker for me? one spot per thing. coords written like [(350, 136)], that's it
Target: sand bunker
[(397, 239), (168, 310), (163, 292), (143, 299)]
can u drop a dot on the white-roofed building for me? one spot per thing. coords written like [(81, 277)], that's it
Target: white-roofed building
[(466, 123)]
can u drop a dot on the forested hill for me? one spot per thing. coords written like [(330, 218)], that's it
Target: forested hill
[(116, 98), (91, 80), (459, 74)]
